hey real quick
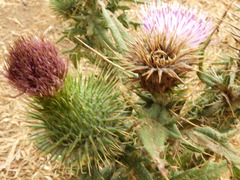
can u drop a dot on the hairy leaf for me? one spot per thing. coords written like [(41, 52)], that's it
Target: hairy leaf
[(209, 171), (216, 142)]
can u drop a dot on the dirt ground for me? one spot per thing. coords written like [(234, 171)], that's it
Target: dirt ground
[(19, 159)]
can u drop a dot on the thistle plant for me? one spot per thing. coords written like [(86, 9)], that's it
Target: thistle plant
[(161, 58), (100, 132), (79, 120)]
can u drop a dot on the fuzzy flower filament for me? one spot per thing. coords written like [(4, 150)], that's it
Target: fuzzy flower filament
[(35, 67), (185, 24)]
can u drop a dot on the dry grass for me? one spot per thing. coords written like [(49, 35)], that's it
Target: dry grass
[(18, 156)]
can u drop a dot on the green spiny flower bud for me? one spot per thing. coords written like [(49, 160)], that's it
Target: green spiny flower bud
[(70, 8), (82, 123)]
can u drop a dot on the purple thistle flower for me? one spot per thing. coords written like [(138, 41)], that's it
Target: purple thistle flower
[(35, 67), (164, 52), (185, 24)]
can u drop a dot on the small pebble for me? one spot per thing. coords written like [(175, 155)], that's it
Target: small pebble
[(25, 3)]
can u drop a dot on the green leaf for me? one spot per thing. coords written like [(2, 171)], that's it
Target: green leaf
[(192, 147), (124, 7), (208, 79), (147, 98), (109, 17), (164, 120), (136, 1), (216, 142), (236, 172), (153, 138), (153, 135), (226, 81), (103, 33), (173, 131), (121, 29), (162, 114), (108, 171), (209, 171), (124, 19), (75, 58), (136, 164), (120, 174)]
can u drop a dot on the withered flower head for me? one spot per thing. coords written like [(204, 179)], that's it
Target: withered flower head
[(163, 53), (35, 67)]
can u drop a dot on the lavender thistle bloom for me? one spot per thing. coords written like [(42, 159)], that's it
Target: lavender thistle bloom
[(35, 67), (164, 52), (185, 24)]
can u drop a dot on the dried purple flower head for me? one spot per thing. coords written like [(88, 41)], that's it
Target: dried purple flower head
[(164, 52), (35, 67)]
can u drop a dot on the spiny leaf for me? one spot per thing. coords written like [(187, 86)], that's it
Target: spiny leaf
[(209, 171), (216, 142), (192, 147), (236, 172), (153, 138), (208, 79), (120, 43)]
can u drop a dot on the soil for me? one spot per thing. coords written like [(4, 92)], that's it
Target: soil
[(19, 158)]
